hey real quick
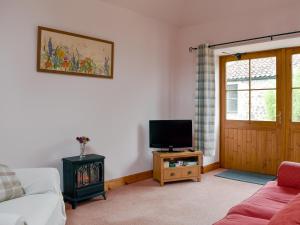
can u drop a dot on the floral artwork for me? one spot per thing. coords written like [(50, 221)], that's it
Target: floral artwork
[(68, 53)]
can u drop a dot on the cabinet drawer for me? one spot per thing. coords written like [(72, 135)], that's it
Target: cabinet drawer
[(190, 171), (88, 190), (170, 174)]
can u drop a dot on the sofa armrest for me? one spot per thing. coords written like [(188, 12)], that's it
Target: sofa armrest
[(39, 180), (11, 219), (289, 175)]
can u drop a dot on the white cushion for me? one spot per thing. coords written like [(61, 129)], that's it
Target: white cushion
[(39, 180), (11, 219), (39, 209)]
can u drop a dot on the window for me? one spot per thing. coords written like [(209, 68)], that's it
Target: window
[(251, 89), (296, 88)]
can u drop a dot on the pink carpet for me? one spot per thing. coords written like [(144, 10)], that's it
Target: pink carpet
[(180, 203)]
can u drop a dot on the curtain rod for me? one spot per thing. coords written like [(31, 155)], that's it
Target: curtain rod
[(248, 39)]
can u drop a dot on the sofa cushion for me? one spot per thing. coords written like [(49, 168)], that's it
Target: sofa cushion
[(39, 209), (235, 219), (10, 186), (252, 210), (277, 193), (266, 202), (289, 174), (11, 219), (39, 181), (289, 215)]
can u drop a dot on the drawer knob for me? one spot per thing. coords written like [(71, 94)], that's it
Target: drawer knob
[(172, 174), (189, 172)]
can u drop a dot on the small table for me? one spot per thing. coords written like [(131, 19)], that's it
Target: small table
[(83, 178)]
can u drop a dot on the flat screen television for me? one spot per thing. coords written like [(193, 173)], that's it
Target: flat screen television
[(170, 134)]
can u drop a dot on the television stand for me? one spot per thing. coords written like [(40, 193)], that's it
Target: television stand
[(165, 174)]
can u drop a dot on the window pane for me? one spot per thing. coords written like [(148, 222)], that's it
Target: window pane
[(237, 72), (263, 73), (237, 105), (232, 86), (296, 105), (232, 101), (296, 70), (263, 105)]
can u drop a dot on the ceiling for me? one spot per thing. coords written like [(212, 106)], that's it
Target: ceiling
[(191, 12)]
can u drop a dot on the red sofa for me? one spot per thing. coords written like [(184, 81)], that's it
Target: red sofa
[(277, 203)]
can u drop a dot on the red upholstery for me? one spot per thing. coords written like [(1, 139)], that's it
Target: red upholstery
[(277, 193), (289, 175), (272, 199), (289, 215), (266, 202), (236, 219)]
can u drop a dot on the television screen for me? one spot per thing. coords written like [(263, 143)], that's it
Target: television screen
[(170, 134)]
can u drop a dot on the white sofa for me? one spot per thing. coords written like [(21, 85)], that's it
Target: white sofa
[(42, 204)]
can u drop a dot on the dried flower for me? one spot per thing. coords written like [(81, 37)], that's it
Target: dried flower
[(83, 139)]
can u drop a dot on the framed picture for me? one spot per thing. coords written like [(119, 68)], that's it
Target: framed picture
[(73, 54)]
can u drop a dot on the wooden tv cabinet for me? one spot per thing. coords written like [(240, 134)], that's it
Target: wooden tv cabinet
[(163, 175)]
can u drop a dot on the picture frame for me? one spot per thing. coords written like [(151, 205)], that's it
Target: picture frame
[(68, 53)]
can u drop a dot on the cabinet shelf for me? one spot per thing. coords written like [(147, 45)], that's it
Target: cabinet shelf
[(179, 167), (168, 174)]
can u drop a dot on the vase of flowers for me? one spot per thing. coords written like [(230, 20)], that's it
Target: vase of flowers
[(82, 141)]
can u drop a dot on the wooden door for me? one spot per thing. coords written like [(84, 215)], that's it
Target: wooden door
[(252, 108), (293, 104)]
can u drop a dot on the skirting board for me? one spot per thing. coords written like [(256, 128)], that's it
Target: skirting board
[(115, 183), (211, 167)]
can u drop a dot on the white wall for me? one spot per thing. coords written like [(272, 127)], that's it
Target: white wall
[(234, 27), (41, 114)]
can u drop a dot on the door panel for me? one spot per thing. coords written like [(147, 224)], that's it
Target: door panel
[(293, 104), (293, 153), (252, 134), (253, 150)]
